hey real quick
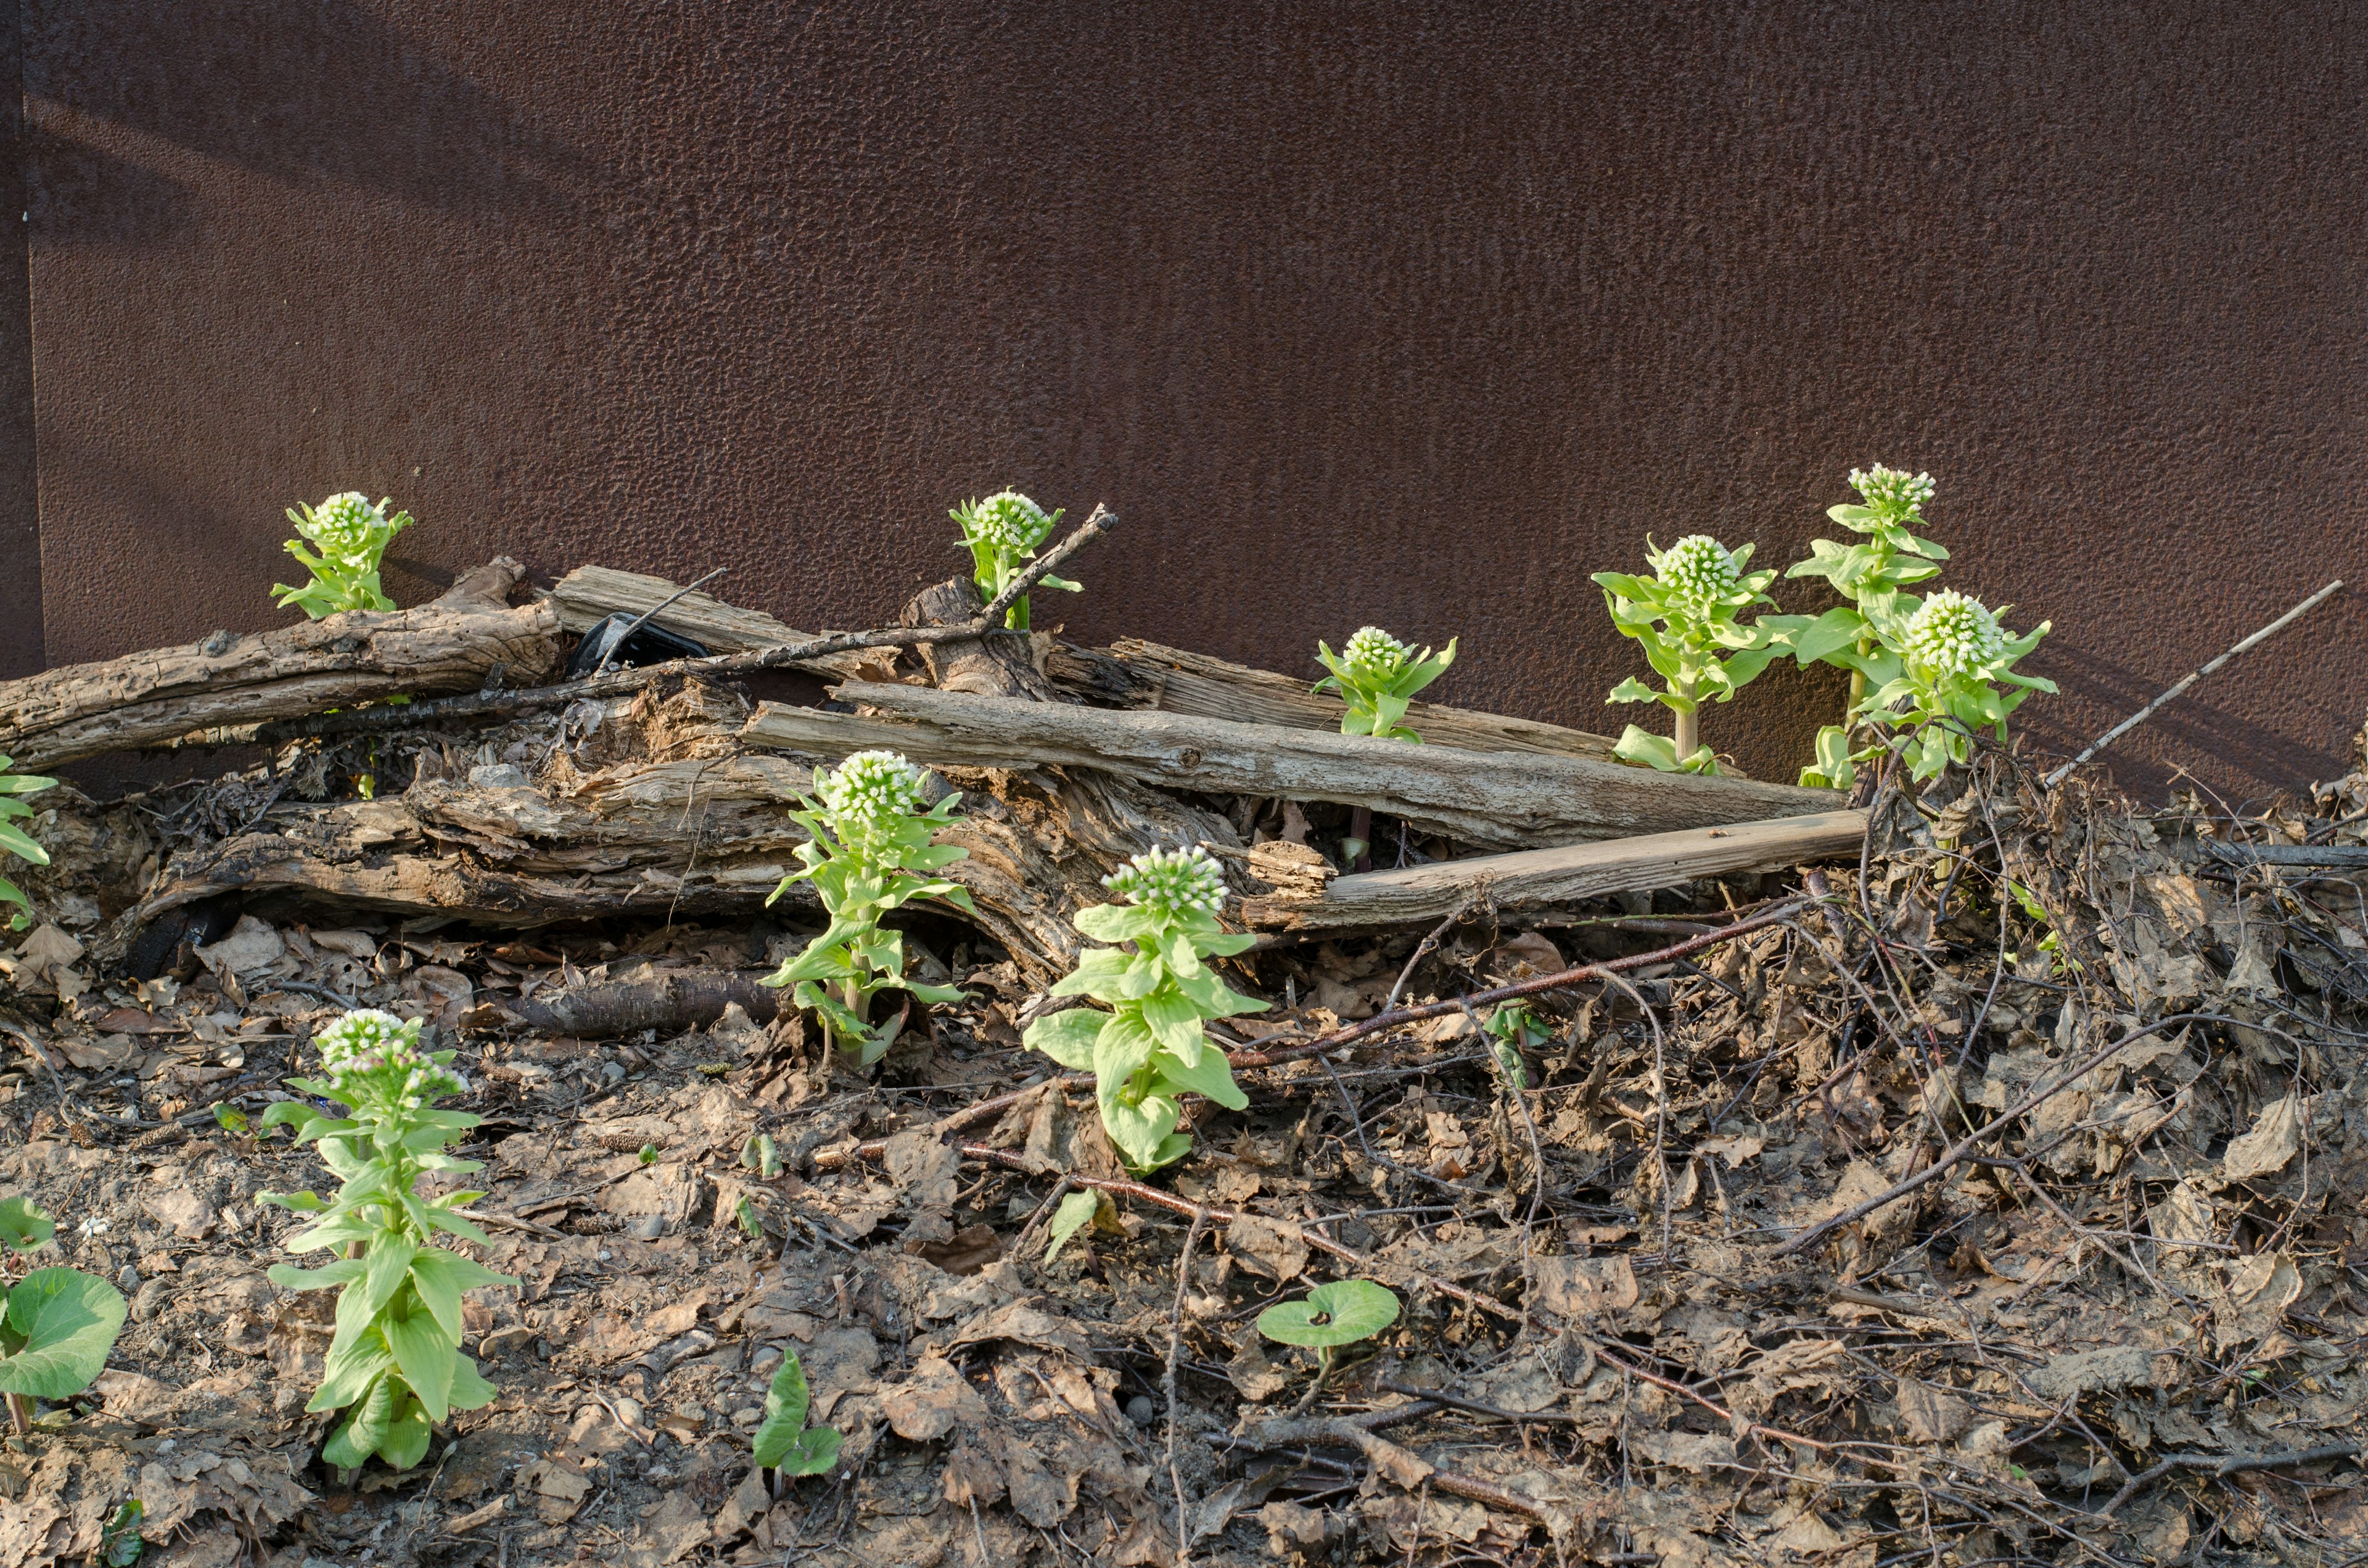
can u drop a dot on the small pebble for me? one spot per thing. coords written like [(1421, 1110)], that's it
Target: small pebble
[(747, 1415), (629, 1411), (1140, 1411), (613, 1071)]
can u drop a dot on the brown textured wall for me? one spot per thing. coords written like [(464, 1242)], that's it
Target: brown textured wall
[(21, 537), (1404, 313)]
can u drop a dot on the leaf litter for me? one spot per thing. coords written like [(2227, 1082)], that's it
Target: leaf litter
[(2003, 1198)]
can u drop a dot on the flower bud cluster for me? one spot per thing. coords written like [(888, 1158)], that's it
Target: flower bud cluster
[(1009, 522), (1171, 882), (1701, 570), (1375, 655), (341, 526), (373, 1057), (1953, 635), (870, 790), (1898, 495)]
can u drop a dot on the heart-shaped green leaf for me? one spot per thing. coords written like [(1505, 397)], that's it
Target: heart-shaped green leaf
[(1339, 1314), (69, 1321), (23, 1226)]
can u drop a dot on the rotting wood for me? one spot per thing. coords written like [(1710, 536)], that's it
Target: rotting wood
[(996, 666), (1495, 801), (1175, 680), (149, 698), (590, 593), (1537, 878), (669, 1001)]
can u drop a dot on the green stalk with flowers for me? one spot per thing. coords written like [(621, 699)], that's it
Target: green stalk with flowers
[(1003, 532), (869, 847), (1149, 1049), (1684, 615), (1377, 675), (394, 1364), (350, 538), (14, 840)]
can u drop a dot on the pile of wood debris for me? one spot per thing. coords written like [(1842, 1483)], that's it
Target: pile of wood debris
[(1993, 1192)]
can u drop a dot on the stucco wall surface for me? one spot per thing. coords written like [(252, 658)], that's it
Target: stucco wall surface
[(1405, 313)]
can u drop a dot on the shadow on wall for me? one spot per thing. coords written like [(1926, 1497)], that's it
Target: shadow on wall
[(295, 89)]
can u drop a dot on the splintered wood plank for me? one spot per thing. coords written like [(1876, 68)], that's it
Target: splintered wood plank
[(1537, 878), (589, 594), (1492, 799)]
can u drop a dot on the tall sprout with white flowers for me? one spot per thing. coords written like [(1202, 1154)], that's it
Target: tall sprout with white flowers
[(1148, 1050), (394, 1364), (348, 537), (1685, 615), (1377, 676), (871, 846), (1003, 532), (1939, 675)]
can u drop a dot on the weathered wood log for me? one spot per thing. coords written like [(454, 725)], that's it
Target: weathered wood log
[(1544, 878), (1493, 800), (589, 594), (670, 1002), (142, 699), (985, 667), (1175, 680)]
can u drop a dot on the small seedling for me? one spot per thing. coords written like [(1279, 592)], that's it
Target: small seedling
[(760, 1154), (229, 1117), (751, 1224), (1149, 1049), (649, 1156), (58, 1323), (1684, 615), (1936, 676), (1077, 1211), (349, 536), (867, 837), (1003, 532), (14, 840), (784, 1442), (1377, 675), (1331, 1316), (394, 1364), (1512, 1028)]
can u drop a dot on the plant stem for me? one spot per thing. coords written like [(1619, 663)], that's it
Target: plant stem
[(1688, 727), (19, 1415)]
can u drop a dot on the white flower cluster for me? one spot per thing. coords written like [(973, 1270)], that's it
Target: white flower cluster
[(1171, 882), (870, 790), (1701, 569), (342, 524), (1376, 655), (1897, 494), (372, 1056), (1953, 635), (1011, 522)]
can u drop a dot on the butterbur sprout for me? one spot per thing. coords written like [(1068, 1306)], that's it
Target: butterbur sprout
[(373, 1059), (1700, 571), (1170, 882), (1375, 655), (1008, 520), (1952, 635), (869, 790), (1898, 495)]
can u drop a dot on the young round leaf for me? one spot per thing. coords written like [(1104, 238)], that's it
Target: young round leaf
[(1339, 1314), (23, 1226), (69, 1321)]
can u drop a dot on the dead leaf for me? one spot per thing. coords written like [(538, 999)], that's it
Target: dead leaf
[(677, 1529), (1696, 1451), (2276, 1134), (925, 1170), (932, 1402), (251, 948), (2094, 1371), (1276, 1248), (1583, 1287), (1929, 1415), (966, 1252), (2260, 1289)]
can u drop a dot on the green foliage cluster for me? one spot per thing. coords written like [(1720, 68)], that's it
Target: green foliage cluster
[(348, 537), (394, 1364), (1684, 615), (784, 1441), (1003, 532), (1925, 674), (56, 1324), (869, 848), (14, 840), (1149, 1047), (1377, 675)]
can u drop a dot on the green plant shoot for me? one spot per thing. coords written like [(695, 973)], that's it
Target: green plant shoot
[(1331, 1316), (1684, 615), (1077, 1211), (1377, 675), (867, 839), (1512, 1028), (56, 1324), (1871, 573), (350, 537), (1149, 1050), (394, 1364), (14, 840), (1003, 532), (784, 1442), (1937, 675)]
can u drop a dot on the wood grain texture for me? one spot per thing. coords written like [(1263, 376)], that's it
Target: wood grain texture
[(159, 696), (589, 594), (1538, 878), (1176, 680), (1491, 800)]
